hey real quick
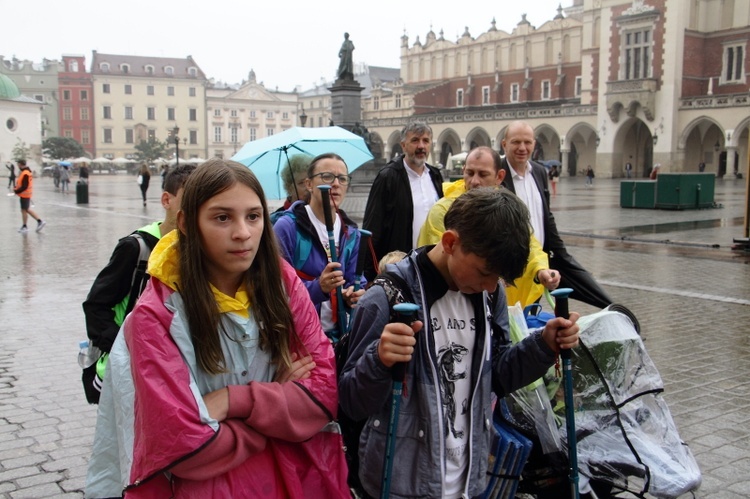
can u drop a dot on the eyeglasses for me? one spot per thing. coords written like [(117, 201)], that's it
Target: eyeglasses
[(329, 177)]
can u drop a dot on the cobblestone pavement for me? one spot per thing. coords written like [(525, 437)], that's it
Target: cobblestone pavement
[(674, 269)]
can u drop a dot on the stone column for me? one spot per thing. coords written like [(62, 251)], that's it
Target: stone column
[(564, 152), (731, 151)]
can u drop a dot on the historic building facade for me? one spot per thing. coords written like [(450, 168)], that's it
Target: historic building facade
[(603, 82), (76, 113), (20, 119), (38, 81), (236, 114), (137, 98)]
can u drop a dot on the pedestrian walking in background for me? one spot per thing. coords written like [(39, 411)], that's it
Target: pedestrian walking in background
[(56, 176), (554, 175), (144, 177), (11, 175), (222, 383), (83, 174), (164, 172), (65, 179), (24, 188), (701, 167), (628, 169), (589, 176)]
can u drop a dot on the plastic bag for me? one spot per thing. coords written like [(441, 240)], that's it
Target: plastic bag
[(139, 179)]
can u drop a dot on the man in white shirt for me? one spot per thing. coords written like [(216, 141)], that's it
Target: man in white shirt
[(402, 195), (528, 180)]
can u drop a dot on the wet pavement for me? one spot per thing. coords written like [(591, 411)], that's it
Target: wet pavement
[(674, 269)]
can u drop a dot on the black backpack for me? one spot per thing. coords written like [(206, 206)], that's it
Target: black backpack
[(397, 291)]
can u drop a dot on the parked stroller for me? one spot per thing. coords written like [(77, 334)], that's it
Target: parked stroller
[(627, 441)]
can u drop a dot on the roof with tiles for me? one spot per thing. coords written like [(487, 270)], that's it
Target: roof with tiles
[(148, 67)]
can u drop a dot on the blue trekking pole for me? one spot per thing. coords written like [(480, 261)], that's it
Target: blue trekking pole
[(341, 318), (561, 310), (405, 312), (364, 247)]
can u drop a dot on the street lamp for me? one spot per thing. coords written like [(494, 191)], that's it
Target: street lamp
[(598, 141), (717, 146), (303, 118), (656, 139), (175, 132)]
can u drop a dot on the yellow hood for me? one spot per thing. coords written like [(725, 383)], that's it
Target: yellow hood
[(163, 264)]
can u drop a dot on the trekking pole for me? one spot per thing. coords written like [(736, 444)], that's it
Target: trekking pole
[(405, 312), (561, 310), (341, 318)]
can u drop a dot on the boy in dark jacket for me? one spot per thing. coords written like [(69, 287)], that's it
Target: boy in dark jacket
[(458, 352)]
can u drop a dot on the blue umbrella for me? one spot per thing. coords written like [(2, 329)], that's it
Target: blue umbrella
[(266, 157), (65, 163)]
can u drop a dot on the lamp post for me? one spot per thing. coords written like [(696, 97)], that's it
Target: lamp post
[(175, 132), (303, 118)]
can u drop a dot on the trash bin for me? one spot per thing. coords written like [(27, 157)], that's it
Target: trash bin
[(82, 192)]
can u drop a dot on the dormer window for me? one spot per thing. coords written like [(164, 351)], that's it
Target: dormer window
[(73, 66), (125, 68), (104, 67), (193, 72), (169, 70), (149, 70)]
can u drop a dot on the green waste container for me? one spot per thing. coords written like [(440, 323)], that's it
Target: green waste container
[(82, 192), (638, 194), (678, 191)]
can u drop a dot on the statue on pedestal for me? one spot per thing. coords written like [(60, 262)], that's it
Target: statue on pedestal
[(346, 66)]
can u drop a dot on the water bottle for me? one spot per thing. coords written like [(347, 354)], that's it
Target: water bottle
[(87, 354)]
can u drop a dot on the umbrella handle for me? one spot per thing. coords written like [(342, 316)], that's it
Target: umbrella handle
[(561, 310), (341, 323)]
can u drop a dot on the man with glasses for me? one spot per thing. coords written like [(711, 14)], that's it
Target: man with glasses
[(402, 195)]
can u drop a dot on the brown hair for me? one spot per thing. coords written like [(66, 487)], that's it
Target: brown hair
[(263, 280)]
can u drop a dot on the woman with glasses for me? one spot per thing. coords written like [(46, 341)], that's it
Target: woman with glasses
[(304, 241)]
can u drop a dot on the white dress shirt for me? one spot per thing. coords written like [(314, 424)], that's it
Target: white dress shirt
[(423, 196), (528, 191)]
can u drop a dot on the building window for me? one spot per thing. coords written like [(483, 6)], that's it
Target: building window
[(193, 72), (269, 132), (125, 68), (105, 88), (128, 89), (637, 56), (252, 114), (170, 114), (269, 115), (233, 135), (514, 92), (66, 94), (485, 95), (320, 121), (734, 63), (104, 67), (169, 70), (217, 113), (73, 66), (398, 101), (170, 91), (252, 133), (67, 114), (191, 91), (233, 113), (107, 112), (217, 134), (193, 114), (375, 103), (149, 70), (84, 95), (128, 112), (129, 136), (285, 115), (193, 136), (546, 90), (460, 97), (577, 89), (107, 136), (151, 134), (39, 97), (151, 113), (150, 90), (85, 137), (84, 114), (68, 134)]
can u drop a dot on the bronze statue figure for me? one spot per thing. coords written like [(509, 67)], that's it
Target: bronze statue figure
[(346, 67)]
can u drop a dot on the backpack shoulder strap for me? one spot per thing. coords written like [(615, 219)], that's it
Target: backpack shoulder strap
[(395, 287), (140, 277)]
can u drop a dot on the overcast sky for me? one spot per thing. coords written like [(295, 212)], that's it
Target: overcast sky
[(286, 42)]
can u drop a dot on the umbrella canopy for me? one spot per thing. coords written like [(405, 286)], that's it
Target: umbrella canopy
[(195, 161), (101, 160), (266, 157), (65, 163), (121, 161), (82, 159), (160, 161)]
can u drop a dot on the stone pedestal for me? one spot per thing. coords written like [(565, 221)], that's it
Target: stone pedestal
[(346, 103)]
